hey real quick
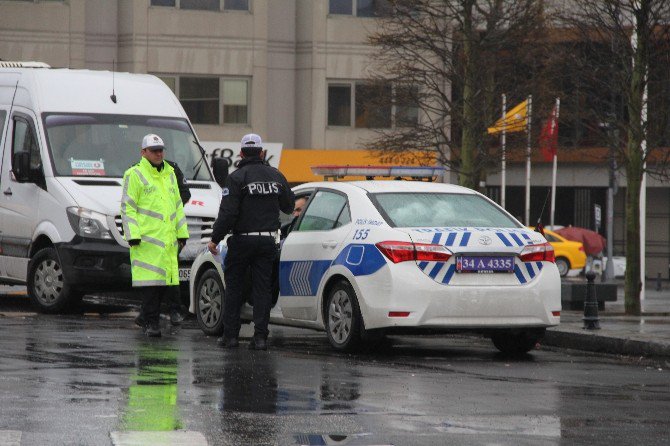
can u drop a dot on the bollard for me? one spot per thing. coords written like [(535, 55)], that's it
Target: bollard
[(591, 321), (658, 282)]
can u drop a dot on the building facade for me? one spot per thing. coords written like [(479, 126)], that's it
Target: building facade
[(290, 70)]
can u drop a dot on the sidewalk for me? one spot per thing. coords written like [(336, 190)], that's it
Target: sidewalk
[(646, 335)]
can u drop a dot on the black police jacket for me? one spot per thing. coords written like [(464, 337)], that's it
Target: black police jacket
[(251, 200)]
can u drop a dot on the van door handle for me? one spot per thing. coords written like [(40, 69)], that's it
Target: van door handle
[(329, 244), (8, 191)]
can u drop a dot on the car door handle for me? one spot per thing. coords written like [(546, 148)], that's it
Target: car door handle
[(329, 244), (7, 191)]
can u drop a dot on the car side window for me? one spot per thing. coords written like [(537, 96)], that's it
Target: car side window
[(344, 218), (550, 238), (323, 212), (24, 141)]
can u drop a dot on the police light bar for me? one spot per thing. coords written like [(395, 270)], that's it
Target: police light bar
[(415, 172)]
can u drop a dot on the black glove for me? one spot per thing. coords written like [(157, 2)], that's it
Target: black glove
[(134, 242)]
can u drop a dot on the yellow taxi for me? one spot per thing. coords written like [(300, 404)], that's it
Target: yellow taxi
[(570, 256)]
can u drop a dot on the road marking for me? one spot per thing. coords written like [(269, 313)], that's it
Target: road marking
[(158, 438), (10, 438)]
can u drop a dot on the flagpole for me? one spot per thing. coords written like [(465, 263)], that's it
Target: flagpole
[(553, 172), (529, 109), (502, 173)]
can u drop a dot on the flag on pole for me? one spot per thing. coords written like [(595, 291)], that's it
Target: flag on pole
[(549, 136), (514, 121)]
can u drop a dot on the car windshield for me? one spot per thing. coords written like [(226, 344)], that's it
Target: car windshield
[(107, 145), (422, 209)]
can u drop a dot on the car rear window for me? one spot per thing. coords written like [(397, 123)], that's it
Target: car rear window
[(419, 209)]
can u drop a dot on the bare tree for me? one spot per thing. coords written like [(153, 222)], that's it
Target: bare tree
[(452, 59), (626, 51)]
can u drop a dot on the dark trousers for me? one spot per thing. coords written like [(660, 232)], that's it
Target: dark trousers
[(152, 296), (258, 253)]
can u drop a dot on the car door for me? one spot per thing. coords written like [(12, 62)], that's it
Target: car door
[(309, 250), (3, 126), (20, 200)]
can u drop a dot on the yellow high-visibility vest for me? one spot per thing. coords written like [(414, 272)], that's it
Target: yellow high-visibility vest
[(152, 211)]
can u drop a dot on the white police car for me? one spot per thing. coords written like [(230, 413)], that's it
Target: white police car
[(375, 257)]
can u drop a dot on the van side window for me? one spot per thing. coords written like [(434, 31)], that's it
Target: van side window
[(24, 141)]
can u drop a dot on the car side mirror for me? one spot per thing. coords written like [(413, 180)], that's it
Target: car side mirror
[(220, 167), (21, 166)]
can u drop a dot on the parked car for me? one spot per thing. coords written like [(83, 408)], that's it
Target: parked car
[(371, 258), (570, 256)]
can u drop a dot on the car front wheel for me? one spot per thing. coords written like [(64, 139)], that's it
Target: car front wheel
[(517, 342), (210, 295), (48, 289), (344, 323)]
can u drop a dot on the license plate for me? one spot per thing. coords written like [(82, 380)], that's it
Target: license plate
[(184, 274), (485, 264)]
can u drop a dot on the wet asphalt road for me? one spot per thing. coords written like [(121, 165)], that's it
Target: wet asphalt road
[(91, 378)]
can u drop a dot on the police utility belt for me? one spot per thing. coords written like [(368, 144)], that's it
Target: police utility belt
[(267, 233)]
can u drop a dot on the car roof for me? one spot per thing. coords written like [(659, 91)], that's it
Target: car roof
[(376, 186)]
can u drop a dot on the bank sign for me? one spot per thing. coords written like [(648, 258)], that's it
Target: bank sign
[(231, 152)]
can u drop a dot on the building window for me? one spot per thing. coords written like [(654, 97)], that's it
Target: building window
[(205, 5), (339, 105), (235, 100), (212, 100), (374, 106), (362, 8)]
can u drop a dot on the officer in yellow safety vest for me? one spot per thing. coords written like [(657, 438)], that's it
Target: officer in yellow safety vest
[(154, 226)]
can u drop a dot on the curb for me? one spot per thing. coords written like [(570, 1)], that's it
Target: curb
[(606, 344)]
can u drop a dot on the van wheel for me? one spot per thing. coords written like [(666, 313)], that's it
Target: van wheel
[(47, 287), (517, 342), (209, 296), (344, 324)]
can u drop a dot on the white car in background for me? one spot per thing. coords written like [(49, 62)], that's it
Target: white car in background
[(371, 258)]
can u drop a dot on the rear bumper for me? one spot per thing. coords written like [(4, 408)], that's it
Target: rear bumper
[(435, 306)]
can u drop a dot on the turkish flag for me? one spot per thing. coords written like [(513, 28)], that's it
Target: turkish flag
[(549, 136)]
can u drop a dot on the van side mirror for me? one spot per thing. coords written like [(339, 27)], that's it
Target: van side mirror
[(21, 166), (220, 167)]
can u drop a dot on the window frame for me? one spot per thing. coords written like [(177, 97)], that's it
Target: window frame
[(311, 200), (177, 5), (354, 12), (352, 105), (221, 99)]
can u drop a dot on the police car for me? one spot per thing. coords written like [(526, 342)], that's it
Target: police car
[(370, 258)]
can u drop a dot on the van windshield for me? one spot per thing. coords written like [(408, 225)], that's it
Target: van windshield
[(107, 145)]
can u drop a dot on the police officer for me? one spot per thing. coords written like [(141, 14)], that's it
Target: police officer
[(252, 198), (154, 226)]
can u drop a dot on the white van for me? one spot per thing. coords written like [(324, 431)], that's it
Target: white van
[(66, 137)]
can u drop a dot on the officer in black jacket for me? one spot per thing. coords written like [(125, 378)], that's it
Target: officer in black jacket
[(252, 198)]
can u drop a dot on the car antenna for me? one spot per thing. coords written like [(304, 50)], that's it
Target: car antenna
[(113, 96), (539, 227)]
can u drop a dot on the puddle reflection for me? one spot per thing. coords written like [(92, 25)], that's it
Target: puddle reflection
[(152, 396)]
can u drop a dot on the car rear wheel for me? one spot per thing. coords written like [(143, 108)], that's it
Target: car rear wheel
[(517, 342), (344, 323), (210, 295), (48, 288), (563, 266)]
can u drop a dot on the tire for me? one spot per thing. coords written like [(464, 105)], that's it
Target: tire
[(563, 266), (209, 297), (48, 289), (517, 342), (344, 324)]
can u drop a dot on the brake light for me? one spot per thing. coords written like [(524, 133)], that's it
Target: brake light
[(581, 248), (538, 253), (397, 251)]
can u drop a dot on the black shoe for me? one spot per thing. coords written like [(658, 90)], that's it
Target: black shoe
[(258, 344), (176, 317), (227, 342), (153, 330), (139, 321)]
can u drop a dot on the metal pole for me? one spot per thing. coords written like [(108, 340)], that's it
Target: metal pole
[(528, 129), (591, 320), (554, 169), (503, 139)]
